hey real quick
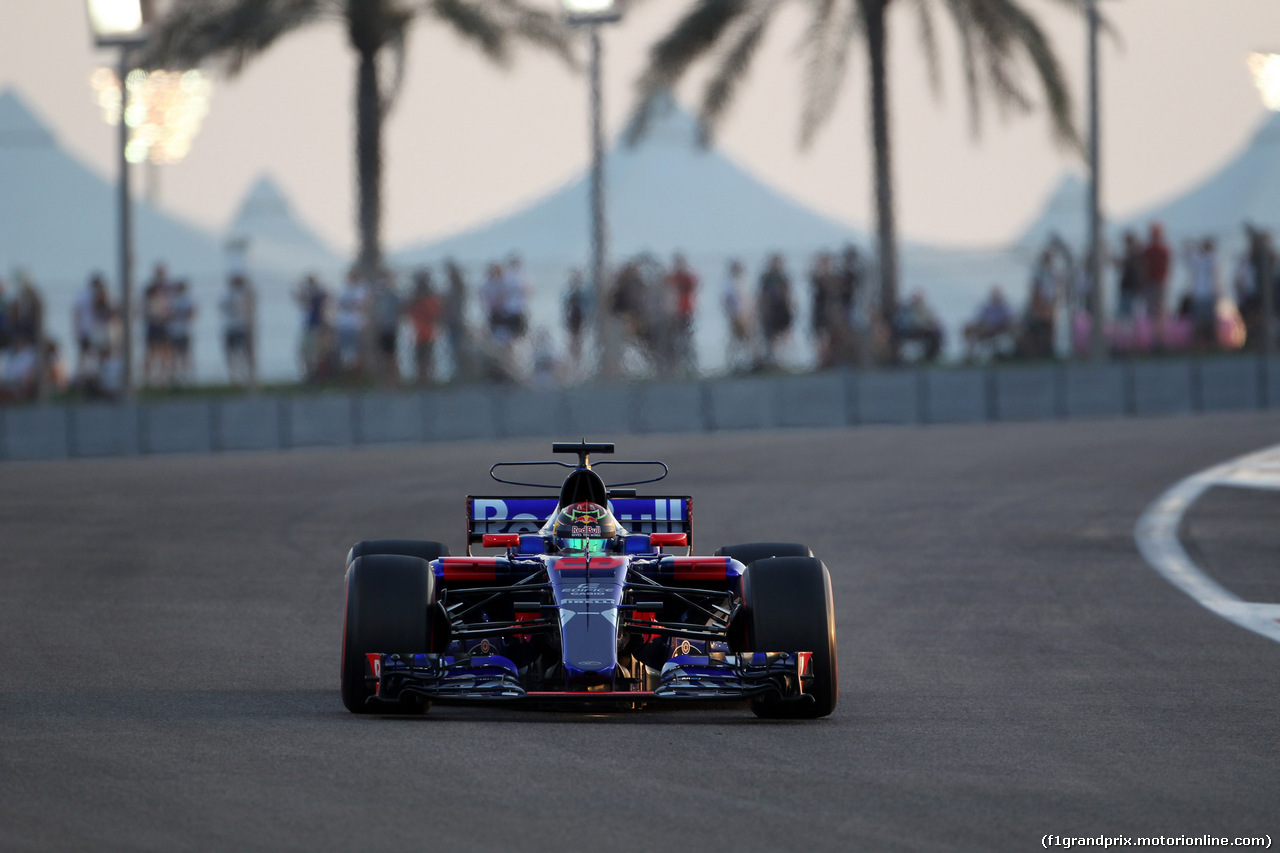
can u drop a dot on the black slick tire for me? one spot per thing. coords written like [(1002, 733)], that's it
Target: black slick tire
[(423, 549), (389, 607), (788, 608), (752, 551)]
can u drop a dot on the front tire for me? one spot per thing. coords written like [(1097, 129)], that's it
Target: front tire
[(788, 607), (752, 551), (389, 603)]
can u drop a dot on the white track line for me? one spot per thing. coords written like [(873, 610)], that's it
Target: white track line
[(1157, 537)]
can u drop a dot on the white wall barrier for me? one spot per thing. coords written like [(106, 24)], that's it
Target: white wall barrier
[(837, 398)]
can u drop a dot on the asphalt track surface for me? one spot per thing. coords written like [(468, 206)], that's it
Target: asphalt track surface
[(1010, 667)]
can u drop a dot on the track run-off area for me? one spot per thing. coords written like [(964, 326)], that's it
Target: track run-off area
[(1011, 667)]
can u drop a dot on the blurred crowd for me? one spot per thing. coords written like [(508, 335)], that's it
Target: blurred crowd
[(1165, 301), (29, 362), (434, 325)]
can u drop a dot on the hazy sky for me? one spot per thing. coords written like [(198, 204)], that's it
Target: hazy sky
[(467, 142)]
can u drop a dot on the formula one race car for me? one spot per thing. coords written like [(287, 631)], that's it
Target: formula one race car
[(584, 608)]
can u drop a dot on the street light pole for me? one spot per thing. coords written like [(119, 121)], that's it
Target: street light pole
[(1097, 248), (126, 230), (599, 233), (591, 14), (123, 24)]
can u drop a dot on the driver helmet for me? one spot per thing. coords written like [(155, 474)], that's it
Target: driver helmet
[(584, 528)]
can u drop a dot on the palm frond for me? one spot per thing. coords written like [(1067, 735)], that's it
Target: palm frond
[(477, 23), (828, 39), (733, 67), (929, 44), (234, 31), (1005, 34), (965, 26), (693, 35), (540, 28)]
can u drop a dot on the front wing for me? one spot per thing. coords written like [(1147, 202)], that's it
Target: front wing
[(785, 676)]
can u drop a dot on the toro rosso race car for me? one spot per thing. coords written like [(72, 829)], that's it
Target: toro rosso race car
[(584, 607)]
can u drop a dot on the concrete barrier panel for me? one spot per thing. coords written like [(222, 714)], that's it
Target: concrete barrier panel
[(1162, 387), (670, 407), (1230, 383), (524, 413), (1094, 390), (744, 403), (1027, 393), (955, 396), (600, 412), (247, 423), (467, 413), (888, 397), (390, 418), (104, 429), (322, 420), (36, 432), (812, 401), (178, 426)]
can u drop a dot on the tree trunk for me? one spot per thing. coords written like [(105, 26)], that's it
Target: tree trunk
[(369, 162), (886, 231)]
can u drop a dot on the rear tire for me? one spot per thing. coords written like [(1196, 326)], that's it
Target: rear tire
[(423, 549), (752, 551), (789, 608), (389, 605)]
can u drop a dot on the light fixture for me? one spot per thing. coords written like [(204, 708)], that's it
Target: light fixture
[(592, 11), (1266, 74), (118, 22)]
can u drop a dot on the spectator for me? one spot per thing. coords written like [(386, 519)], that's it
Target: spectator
[(493, 301), (20, 372), (386, 313), (829, 327), (1132, 263), (1157, 259), (915, 321), (738, 313), (850, 276), (455, 323), (6, 319), (182, 315), (993, 324), (157, 354), (577, 307), (83, 320), (238, 318), (776, 314), (1203, 290), (682, 291), (313, 298), (349, 324), (516, 291), (1042, 300), (424, 312)]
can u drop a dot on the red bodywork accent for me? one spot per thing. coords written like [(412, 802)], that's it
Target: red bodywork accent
[(802, 666), (677, 539), (700, 568), (501, 540), (602, 564), (527, 616), (468, 568), (375, 664), (646, 617)]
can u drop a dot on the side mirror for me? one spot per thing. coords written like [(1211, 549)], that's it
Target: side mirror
[(669, 539), (501, 540)]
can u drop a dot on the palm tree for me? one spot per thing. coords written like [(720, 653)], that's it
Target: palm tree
[(235, 31), (995, 36)]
